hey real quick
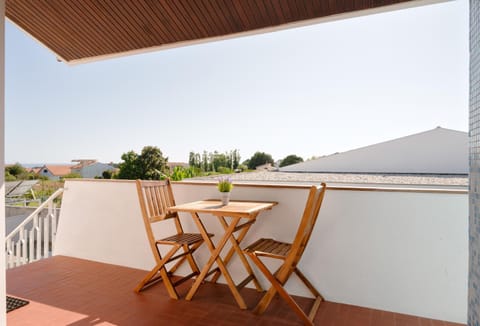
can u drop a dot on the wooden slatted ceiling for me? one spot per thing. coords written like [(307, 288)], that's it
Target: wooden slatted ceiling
[(80, 29)]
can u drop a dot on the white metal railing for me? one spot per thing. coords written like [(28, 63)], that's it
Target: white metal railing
[(34, 238)]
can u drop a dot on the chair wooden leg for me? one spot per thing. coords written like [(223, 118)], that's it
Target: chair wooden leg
[(307, 283), (236, 248), (269, 295), (277, 287), (153, 278), (149, 278), (314, 309), (191, 260), (160, 268), (318, 297), (265, 301), (168, 284), (188, 256)]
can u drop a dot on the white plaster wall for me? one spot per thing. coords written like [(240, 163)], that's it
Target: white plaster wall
[(398, 251), (403, 252), (101, 221)]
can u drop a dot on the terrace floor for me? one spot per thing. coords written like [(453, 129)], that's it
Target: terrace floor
[(70, 291)]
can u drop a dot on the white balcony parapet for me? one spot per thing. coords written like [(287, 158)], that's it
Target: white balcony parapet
[(400, 250), (34, 238)]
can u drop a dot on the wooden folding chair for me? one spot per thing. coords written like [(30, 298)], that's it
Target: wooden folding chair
[(290, 253), (155, 197)]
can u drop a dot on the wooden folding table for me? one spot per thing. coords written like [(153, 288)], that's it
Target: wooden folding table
[(230, 217)]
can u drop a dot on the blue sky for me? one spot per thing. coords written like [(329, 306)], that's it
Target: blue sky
[(307, 91)]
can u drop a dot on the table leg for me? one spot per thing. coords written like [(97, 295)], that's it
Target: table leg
[(215, 257), (236, 248)]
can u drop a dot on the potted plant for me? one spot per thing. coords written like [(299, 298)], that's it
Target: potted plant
[(225, 186)]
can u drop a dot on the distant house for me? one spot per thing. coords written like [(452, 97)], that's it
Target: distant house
[(436, 151), (55, 172), (85, 168), (91, 168)]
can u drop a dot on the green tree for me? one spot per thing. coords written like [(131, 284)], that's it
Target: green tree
[(291, 159), (205, 161), (191, 159), (107, 174), (220, 161), (9, 177), (195, 160), (16, 170), (128, 169), (259, 158), (213, 162), (152, 164), (235, 159), (149, 165)]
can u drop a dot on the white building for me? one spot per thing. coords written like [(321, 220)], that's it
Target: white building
[(436, 151), (91, 168)]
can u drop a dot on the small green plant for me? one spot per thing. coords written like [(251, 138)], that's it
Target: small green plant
[(179, 173), (224, 184)]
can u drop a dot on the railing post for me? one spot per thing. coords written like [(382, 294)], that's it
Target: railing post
[(28, 247), (31, 244), (54, 226), (9, 253), (38, 235), (46, 238)]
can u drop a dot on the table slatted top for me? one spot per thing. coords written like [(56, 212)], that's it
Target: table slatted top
[(215, 207)]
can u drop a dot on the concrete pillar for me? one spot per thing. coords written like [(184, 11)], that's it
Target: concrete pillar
[(474, 208)]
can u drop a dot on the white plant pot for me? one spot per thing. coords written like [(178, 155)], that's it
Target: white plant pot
[(225, 197)]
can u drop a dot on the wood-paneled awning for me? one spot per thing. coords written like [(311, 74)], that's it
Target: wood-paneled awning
[(82, 30)]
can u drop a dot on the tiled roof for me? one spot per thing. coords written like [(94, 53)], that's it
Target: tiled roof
[(34, 170), (59, 170)]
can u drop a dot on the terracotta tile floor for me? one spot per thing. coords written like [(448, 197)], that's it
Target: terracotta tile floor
[(70, 291)]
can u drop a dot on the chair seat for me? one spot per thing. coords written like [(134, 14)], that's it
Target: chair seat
[(184, 238), (270, 246)]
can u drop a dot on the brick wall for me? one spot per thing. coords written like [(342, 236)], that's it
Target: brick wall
[(474, 274)]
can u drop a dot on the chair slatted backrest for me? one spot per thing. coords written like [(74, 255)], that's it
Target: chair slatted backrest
[(155, 198), (310, 214)]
